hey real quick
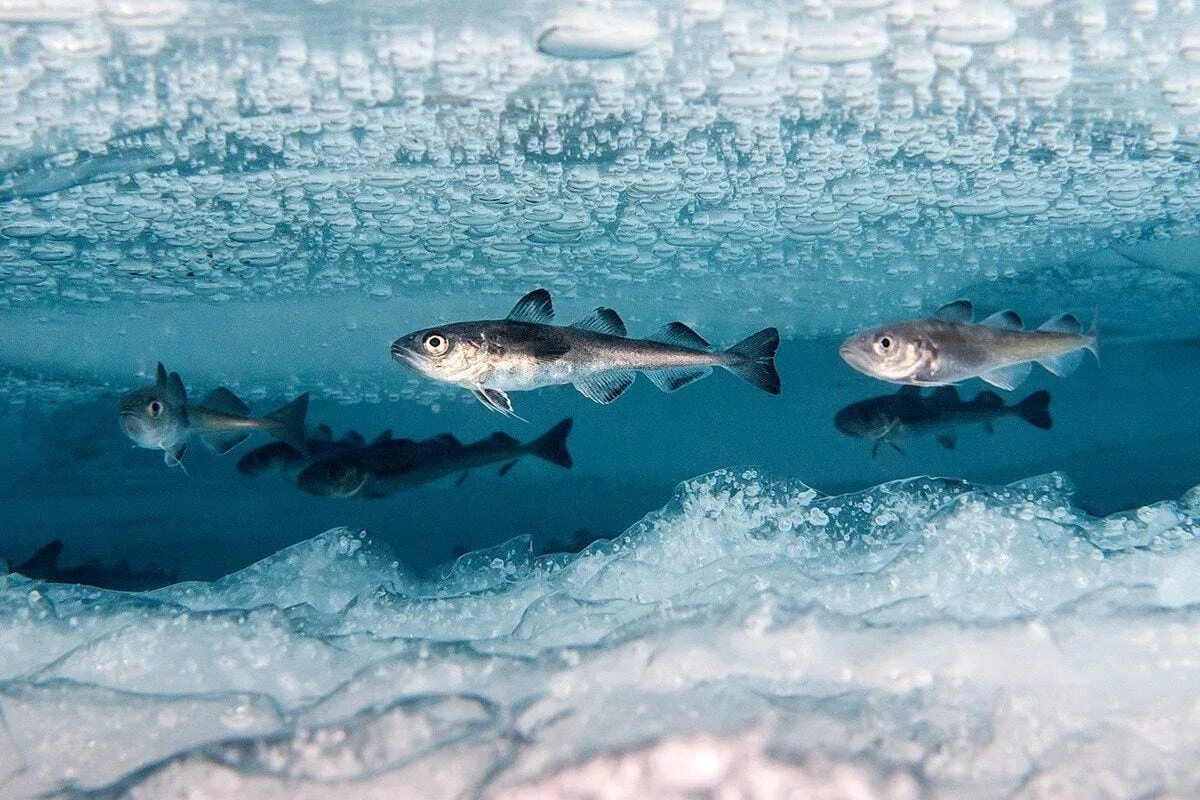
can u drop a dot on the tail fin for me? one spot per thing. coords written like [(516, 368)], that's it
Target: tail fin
[(753, 360), (552, 445), (1093, 332), (1035, 410), (287, 424)]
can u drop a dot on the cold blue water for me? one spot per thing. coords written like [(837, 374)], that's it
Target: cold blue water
[(849, 589)]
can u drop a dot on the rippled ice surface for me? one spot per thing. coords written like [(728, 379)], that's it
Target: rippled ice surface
[(927, 638), (265, 194)]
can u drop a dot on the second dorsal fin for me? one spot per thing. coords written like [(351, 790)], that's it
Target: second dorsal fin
[(1008, 320), (602, 320), (533, 307), (680, 335)]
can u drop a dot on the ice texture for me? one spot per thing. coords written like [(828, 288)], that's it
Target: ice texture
[(789, 160), (925, 638)]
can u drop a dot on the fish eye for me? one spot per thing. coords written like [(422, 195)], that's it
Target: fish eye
[(884, 343), (436, 343), (154, 409)]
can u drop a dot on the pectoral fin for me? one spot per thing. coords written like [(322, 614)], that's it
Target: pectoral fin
[(174, 457), (496, 400), (947, 440)]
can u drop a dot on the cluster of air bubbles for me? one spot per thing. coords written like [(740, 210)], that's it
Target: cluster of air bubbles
[(874, 154)]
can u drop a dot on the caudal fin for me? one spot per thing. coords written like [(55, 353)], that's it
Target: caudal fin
[(1035, 410), (552, 445), (287, 424), (753, 360)]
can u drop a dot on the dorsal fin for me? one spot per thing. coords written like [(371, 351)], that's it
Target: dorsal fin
[(602, 320), (386, 436), (533, 307), (500, 437), (680, 335), (958, 311), (1008, 320), (1063, 323), (171, 385), (447, 440), (225, 401), (354, 438)]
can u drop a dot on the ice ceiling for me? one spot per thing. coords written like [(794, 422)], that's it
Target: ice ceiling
[(806, 158)]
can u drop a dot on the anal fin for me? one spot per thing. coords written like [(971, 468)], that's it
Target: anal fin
[(669, 380), (604, 387), (1009, 377), (1064, 364), (222, 443)]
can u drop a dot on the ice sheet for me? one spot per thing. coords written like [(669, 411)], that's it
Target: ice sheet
[(926, 638)]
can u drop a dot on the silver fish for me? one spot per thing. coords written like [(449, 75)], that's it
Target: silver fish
[(159, 417), (525, 351), (948, 347), (909, 414), (390, 465)]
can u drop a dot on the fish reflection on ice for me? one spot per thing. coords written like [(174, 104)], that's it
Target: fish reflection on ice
[(388, 465), (910, 414), (43, 565)]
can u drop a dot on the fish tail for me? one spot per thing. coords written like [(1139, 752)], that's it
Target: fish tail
[(1035, 410), (1093, 334), (287, 423), (753, 360), (552, 445)]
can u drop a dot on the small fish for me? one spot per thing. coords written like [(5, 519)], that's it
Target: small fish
[(525, 351), (281, 458), (909, 414), (43, 566), (390, 465), (159, 417), (948, 347)]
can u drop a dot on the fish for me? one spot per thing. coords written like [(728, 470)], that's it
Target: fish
[(159, 417), (387, 465), (909, 414), (44, 566), (525, 351), (949, 347), (283, 459)]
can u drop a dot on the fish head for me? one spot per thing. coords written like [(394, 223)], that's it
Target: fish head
[(898, 353), (457, 353), (152, 418), (343, 476), (865, 420)]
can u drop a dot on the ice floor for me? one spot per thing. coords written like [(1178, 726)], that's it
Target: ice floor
[(720, 593)]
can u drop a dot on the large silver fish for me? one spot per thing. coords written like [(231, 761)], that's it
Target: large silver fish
[(159, 417), (525, 351), (909, 414), (390, 465), (949, 347)]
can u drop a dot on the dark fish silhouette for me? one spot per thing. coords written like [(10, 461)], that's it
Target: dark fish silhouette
[(43, 566), (283, 459), (524, 351), (909, 414), (391, 465)]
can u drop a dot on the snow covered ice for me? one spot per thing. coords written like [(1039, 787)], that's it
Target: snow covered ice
[(927, 638), (266, 194)]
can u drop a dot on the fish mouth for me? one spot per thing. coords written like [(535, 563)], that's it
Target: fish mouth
[(402, 354)]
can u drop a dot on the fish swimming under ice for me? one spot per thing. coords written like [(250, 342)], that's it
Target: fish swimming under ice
[(388, 465), (282, 459), (909, 414), (525, 351), (949, 347), (159, 417)]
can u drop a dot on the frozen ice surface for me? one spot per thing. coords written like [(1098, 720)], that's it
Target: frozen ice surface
[(868, 155), (926, 638)]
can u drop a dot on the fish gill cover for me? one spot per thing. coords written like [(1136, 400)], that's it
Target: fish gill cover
[(926, 638)]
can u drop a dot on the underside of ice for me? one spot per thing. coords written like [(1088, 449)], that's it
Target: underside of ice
[(927, 638)]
